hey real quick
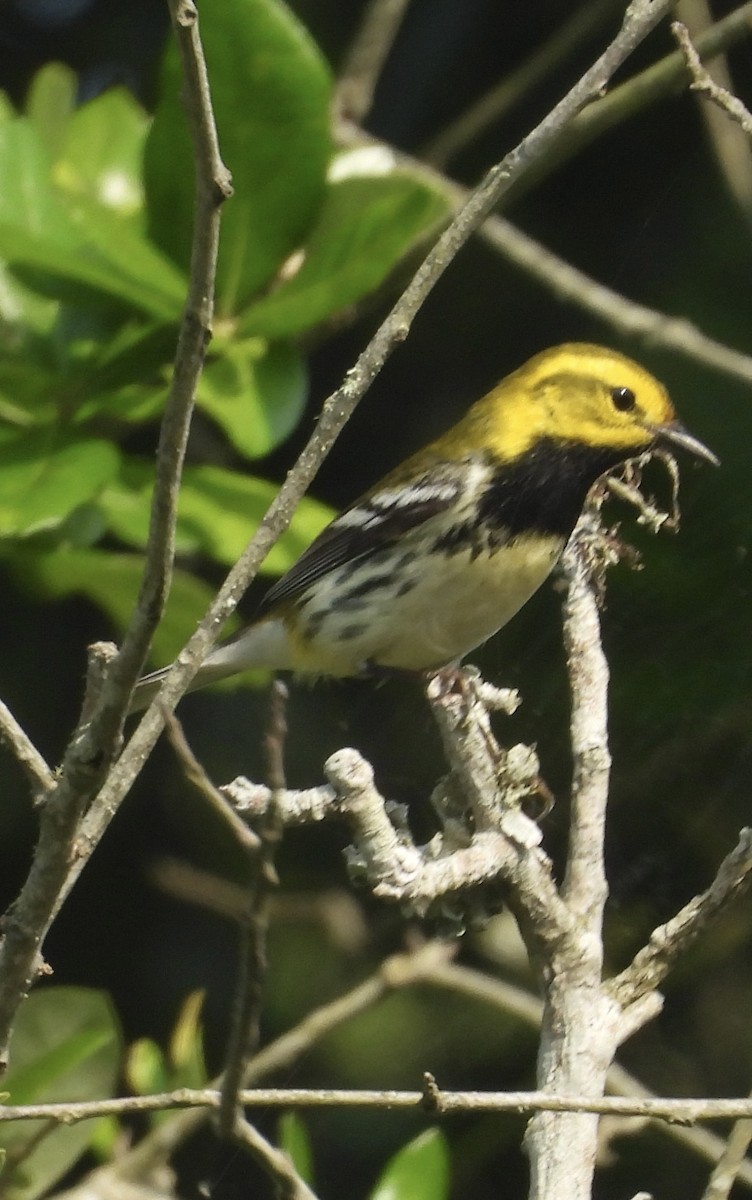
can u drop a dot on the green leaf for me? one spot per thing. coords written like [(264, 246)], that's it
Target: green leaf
[(127, 368), (126, 502), (256, 392), (120, 376), (43, 477), (149, 1069), (366, 226), (28, 395), (221, 509), (27, 203), (218, 512), (7, 111), (293, 1138), (50, 103), (145, 1068), (101, 151), (65, 1046), (28, 200), (96, 148), (106, 259), (112, 582), (21, 310), (188, 1068), (106, 1138), (419, 1171), (80, 246), (271, 94)]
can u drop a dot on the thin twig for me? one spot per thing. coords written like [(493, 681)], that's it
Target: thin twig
[(245, 1029), (398, 971), (697, 1138), (704, 83), (656, 329), (39, 775), (279, 1168), (568, 283), (429, 964), (90, 752), (195, 774), (728, 141), (726, 1171), (492, 106), (28, 918), (213, 186), (636, 94), (528, 1008), (668, 942), (369, 51), (660, 1108)]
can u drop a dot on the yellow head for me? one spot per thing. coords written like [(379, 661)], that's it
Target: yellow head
[(574, 393)]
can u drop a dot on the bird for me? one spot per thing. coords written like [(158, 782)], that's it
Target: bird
[(444, 551)]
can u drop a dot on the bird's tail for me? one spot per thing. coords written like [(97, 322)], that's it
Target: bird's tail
[(261, 646)]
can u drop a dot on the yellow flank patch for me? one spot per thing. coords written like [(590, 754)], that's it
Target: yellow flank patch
[(455, 602)]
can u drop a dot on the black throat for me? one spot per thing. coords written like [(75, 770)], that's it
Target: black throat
[(545, 489)]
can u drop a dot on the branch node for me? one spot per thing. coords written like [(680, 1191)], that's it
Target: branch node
[(186, 13), (431, 1101), (99, 657)]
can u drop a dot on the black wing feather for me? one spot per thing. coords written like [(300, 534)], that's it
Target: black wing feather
[(385, 519)]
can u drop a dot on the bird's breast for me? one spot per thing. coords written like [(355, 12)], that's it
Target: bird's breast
[(409, 610)]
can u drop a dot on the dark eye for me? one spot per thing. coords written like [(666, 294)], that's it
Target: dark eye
[(623, 398)]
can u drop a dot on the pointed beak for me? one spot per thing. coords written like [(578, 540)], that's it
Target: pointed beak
[(676, 435)]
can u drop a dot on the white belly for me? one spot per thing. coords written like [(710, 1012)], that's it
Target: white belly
[(455, 602)]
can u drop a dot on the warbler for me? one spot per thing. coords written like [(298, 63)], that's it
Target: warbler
[(440, 554)]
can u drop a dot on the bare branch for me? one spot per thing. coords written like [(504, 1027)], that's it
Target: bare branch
[(662, 1108), (668, 942), (196, 775), (429, 964), (492, 106), (704, 83), (28, 918), (636, 94), (580, 1027), (398, 971), (213, 186), (252, 961), (656, 329), (379, 27), (728, 141), (289, 1185), (729, 1165), (39, 775), (95, 741), (528, 1008), (698, 1139), (306, 806), (585, 888), (568, 283)]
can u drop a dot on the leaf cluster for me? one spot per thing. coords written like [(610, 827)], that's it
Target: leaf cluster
[(95, 237)]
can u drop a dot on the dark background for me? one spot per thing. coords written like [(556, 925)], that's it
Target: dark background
[(647, 212)]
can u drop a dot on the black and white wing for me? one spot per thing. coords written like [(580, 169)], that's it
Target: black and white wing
[(380, 517)]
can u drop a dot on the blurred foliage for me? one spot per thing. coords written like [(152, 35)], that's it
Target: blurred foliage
[(293, 1138), (150, 1069), (420, 1171), (95, 236), (95, 213), (66, 1046)]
